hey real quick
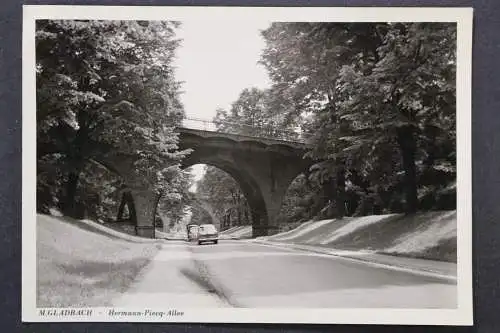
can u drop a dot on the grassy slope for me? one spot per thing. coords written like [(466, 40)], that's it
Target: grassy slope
[(239, 232), (79, 265), (430, 235)]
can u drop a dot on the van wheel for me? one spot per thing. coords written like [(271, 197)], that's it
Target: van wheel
[(199, 243), (215, 242)]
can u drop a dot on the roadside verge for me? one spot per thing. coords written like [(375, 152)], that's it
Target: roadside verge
[(80, 266)]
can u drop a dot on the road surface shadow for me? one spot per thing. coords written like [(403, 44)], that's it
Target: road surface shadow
[(203, 280), (200, 275)]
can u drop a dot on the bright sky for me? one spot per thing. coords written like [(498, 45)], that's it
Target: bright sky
[(216, 61)]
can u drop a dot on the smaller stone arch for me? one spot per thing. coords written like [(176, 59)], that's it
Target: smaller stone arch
[(127, 200), (141, 199)]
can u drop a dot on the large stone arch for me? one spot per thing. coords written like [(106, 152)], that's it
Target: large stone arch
[(248, 185), (263, 169)]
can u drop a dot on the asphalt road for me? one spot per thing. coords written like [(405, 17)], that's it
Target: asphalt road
[(243, 274)]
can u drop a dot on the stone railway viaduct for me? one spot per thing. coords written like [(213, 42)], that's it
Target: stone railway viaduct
[(263, 167)]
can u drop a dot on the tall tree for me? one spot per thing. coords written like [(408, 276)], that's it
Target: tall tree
[(252, 114), (174, 196), (304, 60), (373, 97), (407, 95), (104, 86)]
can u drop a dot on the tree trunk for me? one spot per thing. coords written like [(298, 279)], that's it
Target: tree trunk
[(76, 156), (131, 207), (240, 222), (247, 219), (408, 148), (157, 201), (340, 189), (69, 208), (238, 208), (121, 208), (328, 191), (227, 220)]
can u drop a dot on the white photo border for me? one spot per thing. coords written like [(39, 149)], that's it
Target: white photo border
[(461, 316)]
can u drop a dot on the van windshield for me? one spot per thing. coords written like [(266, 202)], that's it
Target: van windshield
[(208, 229), (192, 228)]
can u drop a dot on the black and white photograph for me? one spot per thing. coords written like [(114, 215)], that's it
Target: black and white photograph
[(260, 165)]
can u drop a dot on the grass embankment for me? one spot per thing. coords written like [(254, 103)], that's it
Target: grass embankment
[(239, 232), (429, 235), (80, 263)]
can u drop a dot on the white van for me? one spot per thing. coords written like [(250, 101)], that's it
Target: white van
[(207, 233)]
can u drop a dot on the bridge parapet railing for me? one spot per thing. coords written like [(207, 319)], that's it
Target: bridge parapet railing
[(265, 132)]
